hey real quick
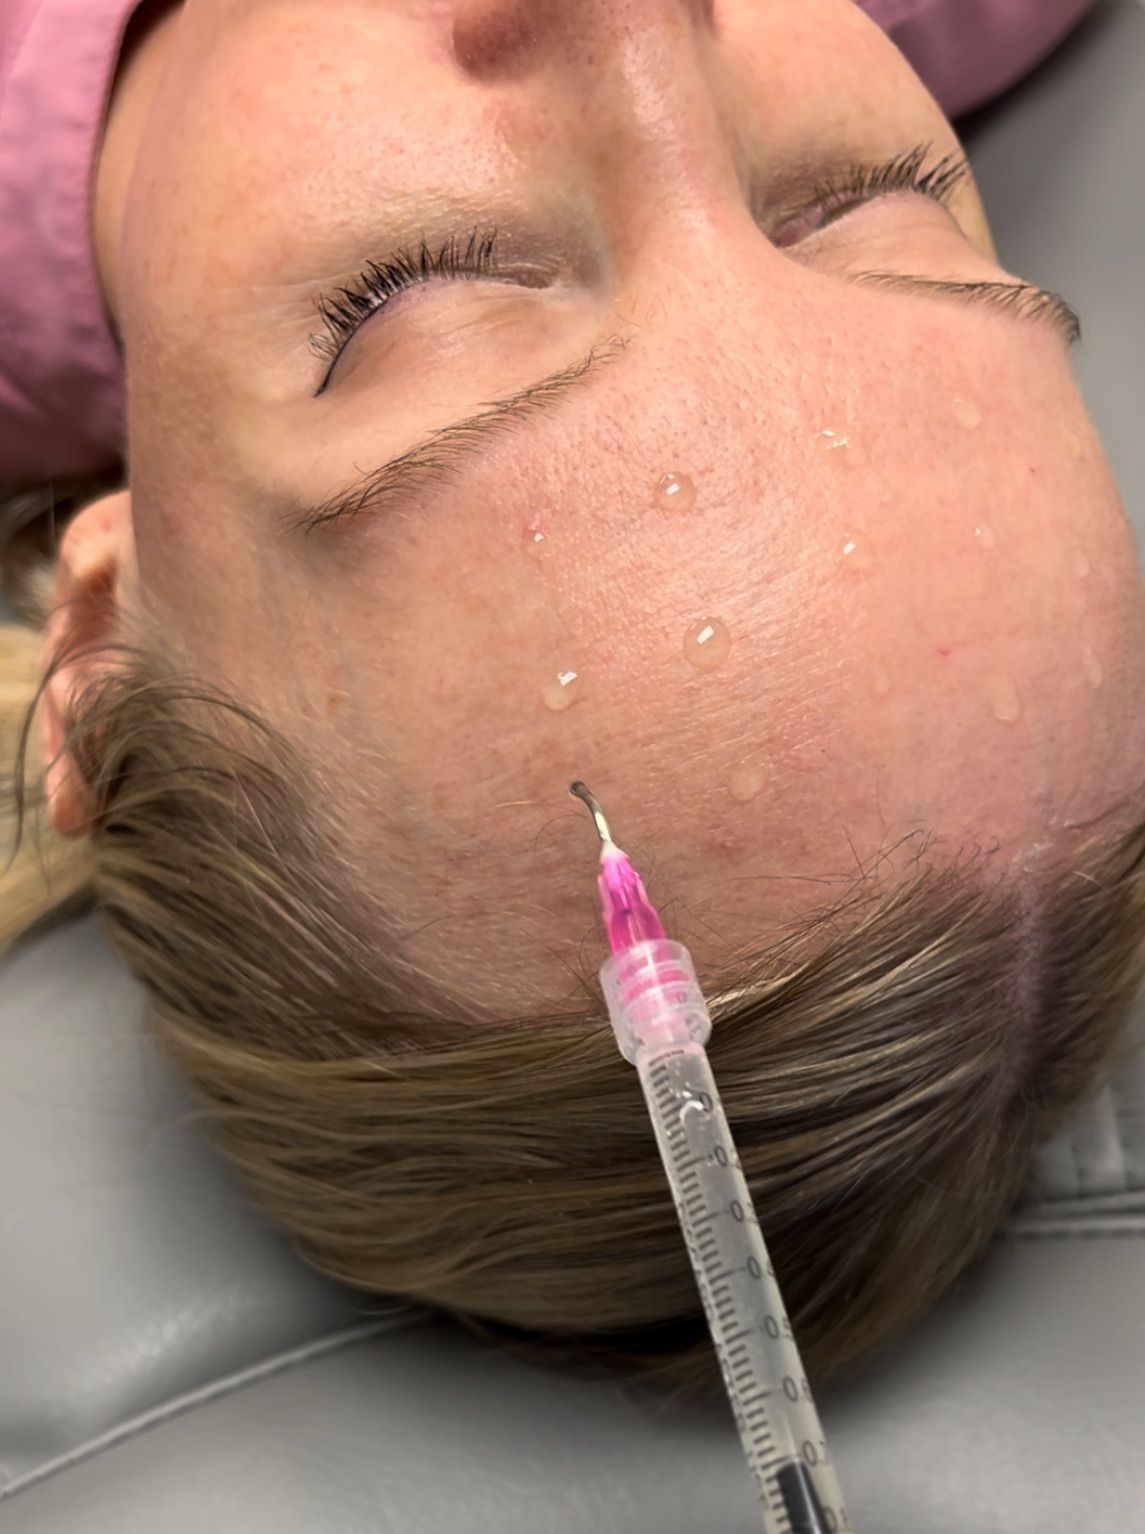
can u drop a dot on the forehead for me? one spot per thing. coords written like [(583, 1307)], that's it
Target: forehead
[(275, 151)]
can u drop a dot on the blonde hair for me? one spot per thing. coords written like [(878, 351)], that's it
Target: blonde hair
[(888, 1068)]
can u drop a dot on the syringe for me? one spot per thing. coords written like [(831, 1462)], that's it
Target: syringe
[(661, 1023)]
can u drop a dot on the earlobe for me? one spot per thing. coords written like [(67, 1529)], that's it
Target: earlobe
[(67, 797), (96, 547)]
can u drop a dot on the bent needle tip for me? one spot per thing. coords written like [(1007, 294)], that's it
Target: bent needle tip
[(580, 791)]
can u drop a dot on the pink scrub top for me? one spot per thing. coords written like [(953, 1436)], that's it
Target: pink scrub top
[(62, 391)]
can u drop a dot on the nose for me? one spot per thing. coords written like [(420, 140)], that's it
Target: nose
[(632, 88)]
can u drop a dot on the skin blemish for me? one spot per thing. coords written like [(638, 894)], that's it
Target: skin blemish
[(727, 844), (707, 643), (944, 650)]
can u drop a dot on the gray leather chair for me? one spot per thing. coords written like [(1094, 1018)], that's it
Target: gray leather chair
[(167, 1365)]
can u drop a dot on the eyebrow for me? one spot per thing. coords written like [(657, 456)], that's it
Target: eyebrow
[(436, 457), (1023, 300)]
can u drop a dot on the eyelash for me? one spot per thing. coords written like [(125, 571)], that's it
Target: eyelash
[(343, 311), (905, 173), (347, 308)]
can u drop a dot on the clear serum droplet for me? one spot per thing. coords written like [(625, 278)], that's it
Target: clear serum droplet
[(1091, 664), (1081, 564), (561, 691), (833, 443), (858, 551), (984, 536), (745, 783), (674, 492), (880, 683), (536, 541), (967, 413), (1005, 703), (706, 644)]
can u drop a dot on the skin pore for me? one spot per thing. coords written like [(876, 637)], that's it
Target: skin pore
[(902, 515)]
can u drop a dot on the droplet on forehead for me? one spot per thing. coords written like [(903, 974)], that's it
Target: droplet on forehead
[(966, 413), (745, 782), (880, 683), (1005, 702), (1091, 665), (858, 551), (562, 691), (1081, 564), (536, 541), (706, 644), (835, 443), (674, 492), (984, 535), (1075, 444)]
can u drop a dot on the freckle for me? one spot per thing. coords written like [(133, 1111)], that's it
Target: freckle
[(707, 643), (674, 492), (985, 536), (1005, 704), (858, 551), (745, 783), (1091, 663), (967, 413), (562, 691), (334, 701)]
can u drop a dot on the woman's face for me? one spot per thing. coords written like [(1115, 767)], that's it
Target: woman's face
[(891, 510)]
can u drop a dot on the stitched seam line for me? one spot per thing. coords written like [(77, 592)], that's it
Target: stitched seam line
[(203, 1395), (1087, 1232)]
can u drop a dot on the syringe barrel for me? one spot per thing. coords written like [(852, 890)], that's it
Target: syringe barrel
[(661, 1023), (653, 997)]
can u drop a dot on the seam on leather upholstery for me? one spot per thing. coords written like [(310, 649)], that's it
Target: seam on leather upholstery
[(1088, 1206), (1077, 1230), (203, 1395)]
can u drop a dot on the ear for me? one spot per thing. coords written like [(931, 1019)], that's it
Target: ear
[(97, 548)]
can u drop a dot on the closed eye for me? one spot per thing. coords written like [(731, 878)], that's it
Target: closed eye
[(474, 257)]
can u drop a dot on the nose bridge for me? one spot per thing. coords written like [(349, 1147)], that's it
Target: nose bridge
[(630, 73), (491, 36), (634, 88), (706, 283)]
